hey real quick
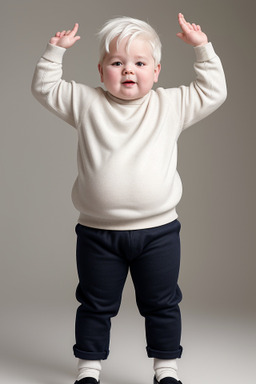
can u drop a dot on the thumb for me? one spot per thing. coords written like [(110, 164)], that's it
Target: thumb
[(180, 35)]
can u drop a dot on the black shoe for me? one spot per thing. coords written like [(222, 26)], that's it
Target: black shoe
[(167, 380), (87, 380)]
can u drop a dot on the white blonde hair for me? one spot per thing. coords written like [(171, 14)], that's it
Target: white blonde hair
[(122, 27)]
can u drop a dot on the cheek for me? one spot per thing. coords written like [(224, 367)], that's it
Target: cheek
[(147, 78), (110, 76)]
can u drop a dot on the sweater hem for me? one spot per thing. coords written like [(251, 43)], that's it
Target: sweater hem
[(128, 225)]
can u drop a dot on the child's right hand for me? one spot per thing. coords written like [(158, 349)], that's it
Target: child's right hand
[(65, 39)]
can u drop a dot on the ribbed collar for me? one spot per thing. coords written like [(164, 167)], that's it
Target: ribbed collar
[(128, 102)]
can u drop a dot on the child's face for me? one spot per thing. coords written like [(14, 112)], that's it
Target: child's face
[(129, 74)]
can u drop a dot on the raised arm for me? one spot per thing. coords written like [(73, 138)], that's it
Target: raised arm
[(48, 87), (208, 91)]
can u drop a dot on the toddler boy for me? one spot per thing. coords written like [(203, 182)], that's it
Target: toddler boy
[(127, 187)]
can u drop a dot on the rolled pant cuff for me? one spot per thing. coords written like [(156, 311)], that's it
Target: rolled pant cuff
[(90, 355), (164, 354)]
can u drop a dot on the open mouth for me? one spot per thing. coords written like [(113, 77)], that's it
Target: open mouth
[(128, 82)]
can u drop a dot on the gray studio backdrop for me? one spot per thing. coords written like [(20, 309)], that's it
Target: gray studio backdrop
[(38, 155)]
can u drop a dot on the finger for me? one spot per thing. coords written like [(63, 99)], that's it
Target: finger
[(180, 35), (68, 32), (185, 26), (62, 33), (190, 26), (53, 40), (198, 28), (182, 19), (187, 23), (57, 34), (74, 30)]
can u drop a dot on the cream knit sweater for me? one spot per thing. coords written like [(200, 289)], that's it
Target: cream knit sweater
[(127, 150)]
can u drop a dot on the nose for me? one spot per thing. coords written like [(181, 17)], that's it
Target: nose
[(128, 71)]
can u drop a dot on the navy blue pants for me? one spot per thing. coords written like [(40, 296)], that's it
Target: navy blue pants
[(104, 258)]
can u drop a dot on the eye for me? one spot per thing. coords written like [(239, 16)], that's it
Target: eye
[(140, 64), (117, 64)]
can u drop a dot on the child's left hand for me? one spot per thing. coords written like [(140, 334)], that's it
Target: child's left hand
[(191, 33)]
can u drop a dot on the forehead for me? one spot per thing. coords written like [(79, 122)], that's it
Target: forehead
[(136, 46)]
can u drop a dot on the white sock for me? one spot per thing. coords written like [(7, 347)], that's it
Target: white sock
[(88, 368), (165, 368)]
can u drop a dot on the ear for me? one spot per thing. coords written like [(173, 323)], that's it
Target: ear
[(157, 72), (100, 72)]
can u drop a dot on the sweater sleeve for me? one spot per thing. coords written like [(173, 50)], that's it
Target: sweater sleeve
[(62, 98), (207, 92)]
